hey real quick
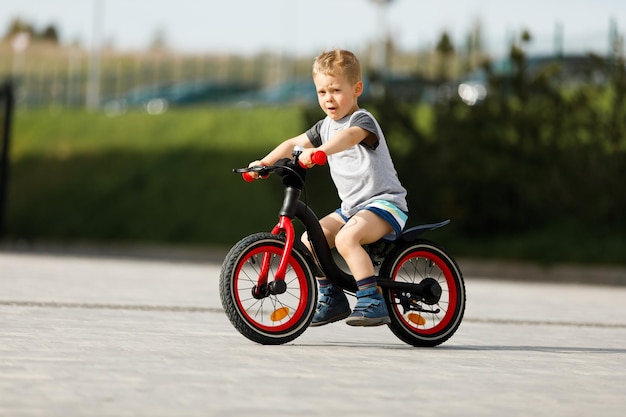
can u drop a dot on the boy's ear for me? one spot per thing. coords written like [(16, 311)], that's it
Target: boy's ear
[(358, 88)]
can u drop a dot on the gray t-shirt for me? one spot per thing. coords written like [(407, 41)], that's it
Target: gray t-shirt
[(361, 173)]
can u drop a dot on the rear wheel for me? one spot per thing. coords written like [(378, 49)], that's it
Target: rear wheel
[(274, 317), (426, 322)]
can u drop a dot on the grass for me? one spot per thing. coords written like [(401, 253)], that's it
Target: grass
[(64, 133), (137, 177)]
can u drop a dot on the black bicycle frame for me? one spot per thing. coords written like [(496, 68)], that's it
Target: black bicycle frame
[(346, 281), (293, 179)]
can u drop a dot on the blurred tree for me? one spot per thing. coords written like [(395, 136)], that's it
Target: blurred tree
[(474, 47), (16, 26), (50, 34), (517, 55), (159, 40), (445, 52)]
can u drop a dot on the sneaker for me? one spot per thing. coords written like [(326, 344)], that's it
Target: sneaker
[(370, 309), (332, 306)]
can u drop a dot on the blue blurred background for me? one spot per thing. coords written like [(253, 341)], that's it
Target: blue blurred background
[(113, 53)]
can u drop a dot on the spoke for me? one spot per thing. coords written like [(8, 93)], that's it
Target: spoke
[(259, 310), (294, 277), (253, 269), (444, 310), (279, 304), (273, 266), (415, 263), (435, 318), (441, 277), (427, 267), (405, 274), (296, 296)]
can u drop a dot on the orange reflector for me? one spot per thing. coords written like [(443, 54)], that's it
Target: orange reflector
[(279, 314), (416, 319)]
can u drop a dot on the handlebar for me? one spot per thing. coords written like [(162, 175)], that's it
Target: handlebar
[(318, 158), (262, 170)]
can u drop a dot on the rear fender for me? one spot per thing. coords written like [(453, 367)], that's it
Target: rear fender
[(413, 233)]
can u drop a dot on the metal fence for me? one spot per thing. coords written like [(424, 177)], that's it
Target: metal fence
[(51, 75)]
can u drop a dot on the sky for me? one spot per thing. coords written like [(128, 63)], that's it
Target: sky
[(305, 27)]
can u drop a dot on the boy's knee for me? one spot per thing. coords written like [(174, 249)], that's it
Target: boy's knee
[(344, 242)]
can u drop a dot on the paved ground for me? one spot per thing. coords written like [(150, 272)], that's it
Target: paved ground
[(99, 336)]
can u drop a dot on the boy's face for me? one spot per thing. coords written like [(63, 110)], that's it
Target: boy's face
[(336, 95)]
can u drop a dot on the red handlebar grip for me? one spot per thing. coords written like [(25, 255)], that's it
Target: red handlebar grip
[(319, 157), (247, 177)]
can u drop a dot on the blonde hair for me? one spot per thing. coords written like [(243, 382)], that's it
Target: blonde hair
[(338, 62)]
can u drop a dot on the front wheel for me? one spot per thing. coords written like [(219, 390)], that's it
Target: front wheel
[(425, 323), (275, 317)]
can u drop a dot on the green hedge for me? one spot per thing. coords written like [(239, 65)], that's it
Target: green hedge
[(527, 176), (536, 171)]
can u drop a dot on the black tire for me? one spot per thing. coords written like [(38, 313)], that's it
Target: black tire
[(277, 318), (412, 263)]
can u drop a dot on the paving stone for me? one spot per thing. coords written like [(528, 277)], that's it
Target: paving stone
[(102, 336)]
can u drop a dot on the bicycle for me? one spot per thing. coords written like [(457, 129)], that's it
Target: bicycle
[(269, 291)]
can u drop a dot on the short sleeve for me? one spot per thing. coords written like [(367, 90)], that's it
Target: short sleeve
[(365, 121), (314, 134)]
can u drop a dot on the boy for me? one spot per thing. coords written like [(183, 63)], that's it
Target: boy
[(373, 202)]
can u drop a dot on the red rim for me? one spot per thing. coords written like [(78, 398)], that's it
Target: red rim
[(256, 311), (447, 303)]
